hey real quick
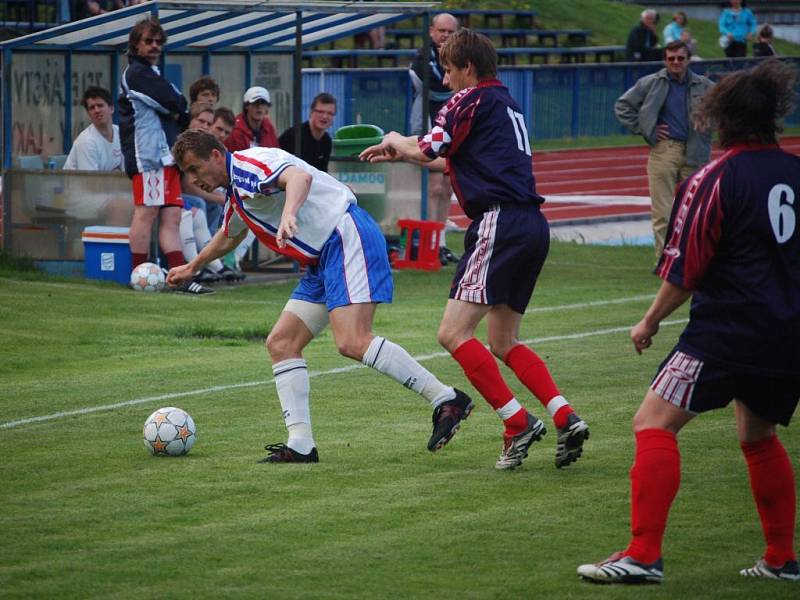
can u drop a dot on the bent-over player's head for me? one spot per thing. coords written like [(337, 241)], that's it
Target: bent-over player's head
[(467, 46), (746, 106), (202, 157)]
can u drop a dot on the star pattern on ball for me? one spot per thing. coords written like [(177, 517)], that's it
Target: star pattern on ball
[(159, 446), (184, 433), (160, 418)]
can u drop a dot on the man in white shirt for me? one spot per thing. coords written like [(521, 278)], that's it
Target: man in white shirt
[(302, 212), (97, 147)]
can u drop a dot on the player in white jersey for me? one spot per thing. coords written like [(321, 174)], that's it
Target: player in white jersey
[(308, 215)]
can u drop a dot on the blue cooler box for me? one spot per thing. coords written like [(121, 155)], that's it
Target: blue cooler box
[(107, 254)]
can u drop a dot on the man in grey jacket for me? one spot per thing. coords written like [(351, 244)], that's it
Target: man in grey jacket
[(659, 108)]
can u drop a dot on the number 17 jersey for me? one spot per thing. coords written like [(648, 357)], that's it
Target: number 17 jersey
[(482, 134)]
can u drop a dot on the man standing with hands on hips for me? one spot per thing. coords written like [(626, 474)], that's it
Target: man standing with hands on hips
[(659, 108)]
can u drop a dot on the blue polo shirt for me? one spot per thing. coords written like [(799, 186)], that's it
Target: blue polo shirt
[(675, 112)]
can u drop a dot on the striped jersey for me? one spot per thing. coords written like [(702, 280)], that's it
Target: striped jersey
[(481, 132), (734, 240), (254, 201)]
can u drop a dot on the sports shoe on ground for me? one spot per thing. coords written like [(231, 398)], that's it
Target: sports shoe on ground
[(619, 568), (206, 275), (788, 572), (193, 287), (281, 453), (569, 444), (231, 275), (447, 256), (447, 419), (515, 449)]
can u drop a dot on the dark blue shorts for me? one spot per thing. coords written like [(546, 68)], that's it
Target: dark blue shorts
[(699, 386), (504, 252)]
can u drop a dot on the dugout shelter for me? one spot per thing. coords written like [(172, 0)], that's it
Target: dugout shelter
[(238, 42)]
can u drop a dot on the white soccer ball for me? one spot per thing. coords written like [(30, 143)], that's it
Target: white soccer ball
[(148, 277), (169, 431)]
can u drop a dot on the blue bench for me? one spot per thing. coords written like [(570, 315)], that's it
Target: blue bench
[(350, 58), (493, 17), (412, 38), (33, 15), (508, 56), (519, 37)]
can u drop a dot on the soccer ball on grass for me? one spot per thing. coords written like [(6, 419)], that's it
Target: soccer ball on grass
[(148, 277), (169, 431)]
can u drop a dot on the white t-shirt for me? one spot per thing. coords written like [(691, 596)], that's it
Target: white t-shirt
[(92, 152), (254, 201)]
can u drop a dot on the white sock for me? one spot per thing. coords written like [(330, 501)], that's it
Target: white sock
[(291, 380), (556, 402), (392, 360), (202, 236), (242, 248), (188, 243)]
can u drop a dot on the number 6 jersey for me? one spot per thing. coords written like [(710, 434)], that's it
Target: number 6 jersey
[(734, 239)]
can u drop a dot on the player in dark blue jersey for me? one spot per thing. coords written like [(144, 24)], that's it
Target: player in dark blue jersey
[(734, 247), (480, 138)]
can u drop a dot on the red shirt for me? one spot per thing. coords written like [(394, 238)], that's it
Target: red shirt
[(242, 137)]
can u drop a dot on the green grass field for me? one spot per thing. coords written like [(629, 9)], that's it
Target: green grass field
[(85, 512), (610, 21)]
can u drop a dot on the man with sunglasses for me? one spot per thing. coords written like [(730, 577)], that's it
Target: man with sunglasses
[(659, 107), (152, 112)]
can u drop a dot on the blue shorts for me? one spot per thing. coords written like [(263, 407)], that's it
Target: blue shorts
[(353, 267), (698, 386), (504, 252)]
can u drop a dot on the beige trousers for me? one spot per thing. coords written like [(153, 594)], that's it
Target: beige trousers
[(666, 168)]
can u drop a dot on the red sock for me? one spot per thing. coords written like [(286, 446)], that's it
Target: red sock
[(772, 482), (655, 478), (533, 373), (481, 369), (175, 259), (137, 258)]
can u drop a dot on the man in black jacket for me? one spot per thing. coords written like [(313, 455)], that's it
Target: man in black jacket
[(642, 44), (152, 113)]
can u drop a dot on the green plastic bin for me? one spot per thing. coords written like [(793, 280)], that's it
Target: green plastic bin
[(368, 180), (350, 140)]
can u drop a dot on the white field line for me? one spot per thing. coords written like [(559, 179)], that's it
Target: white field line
[(313, 374), (590, 304)]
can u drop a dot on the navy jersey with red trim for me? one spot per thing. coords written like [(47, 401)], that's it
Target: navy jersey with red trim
[(734, 239), (482, 134)]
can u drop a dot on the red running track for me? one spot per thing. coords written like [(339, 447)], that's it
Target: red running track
[(611, 172)]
